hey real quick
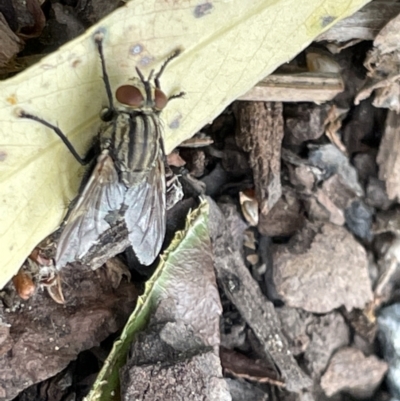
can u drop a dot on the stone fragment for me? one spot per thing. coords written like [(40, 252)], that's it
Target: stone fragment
[(322, 268), (351, 372)]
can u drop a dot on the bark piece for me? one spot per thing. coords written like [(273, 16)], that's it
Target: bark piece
[(243, 391), (331, 160), (351, 372), (285, 217), (388, 221), (91, 12), (260, 132), (361, 324), (304, 122), (6, 341), (192, 377), (245, 294), (315, 272), (383, 65), (316, 337), (333, 124), (389, 330), (335, 214), (359, 220), (314, 87), (338, 192), (239, 365), (364, 24), (304, 396), (389, 156), (31, 18), (10, 43), (162, 364), (366, 123), (365, 164), (302, 177), (47, 336), (376, 195), (65, 23)]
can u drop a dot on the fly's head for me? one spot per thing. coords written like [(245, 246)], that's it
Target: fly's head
[(145, 98)]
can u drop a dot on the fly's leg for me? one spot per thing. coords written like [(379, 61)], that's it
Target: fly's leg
[(157, 77), (106, 116), (109, 113), (82, 160), (177, 96)]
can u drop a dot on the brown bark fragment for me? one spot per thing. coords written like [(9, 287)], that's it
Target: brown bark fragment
[(382, 64), (244, 292), (10, 43), (192, 378), (317, 337), (304, 122), (260, 132), (298, 87), (285, 218), (389, 156), (365, 24), (239, 365), (45, 337)]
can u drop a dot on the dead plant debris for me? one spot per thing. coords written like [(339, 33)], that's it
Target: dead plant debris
[(302, 177)]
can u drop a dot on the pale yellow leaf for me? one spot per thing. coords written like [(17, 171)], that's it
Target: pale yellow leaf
[(228, 46)]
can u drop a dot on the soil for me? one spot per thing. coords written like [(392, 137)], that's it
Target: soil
[(304, 227)]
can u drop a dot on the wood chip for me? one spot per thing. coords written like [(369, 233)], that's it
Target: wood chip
[(285, 218), (333, 124), (302, 87), (389, 156), (11, 44), (244, 292), (241, 366), (365, 24), (383, 64), (260, 132)]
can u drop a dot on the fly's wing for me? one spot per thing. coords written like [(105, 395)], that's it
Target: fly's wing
[(102, 194), (145, 215)]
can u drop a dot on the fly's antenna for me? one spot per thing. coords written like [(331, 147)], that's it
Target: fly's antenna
[(146, 83)]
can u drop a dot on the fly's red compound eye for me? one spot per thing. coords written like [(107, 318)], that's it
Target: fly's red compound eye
[(160, 99), (129, 95)]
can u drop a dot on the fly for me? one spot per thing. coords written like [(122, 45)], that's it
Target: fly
[(128, 178)]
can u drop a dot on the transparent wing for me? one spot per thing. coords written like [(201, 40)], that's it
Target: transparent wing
[(145, 216), (102, 194)]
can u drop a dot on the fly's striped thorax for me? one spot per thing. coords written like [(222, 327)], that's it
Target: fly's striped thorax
[(134, 140)]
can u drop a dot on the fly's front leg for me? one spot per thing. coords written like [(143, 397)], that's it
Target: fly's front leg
[(82, 160), (109, 113), (157, 76)]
